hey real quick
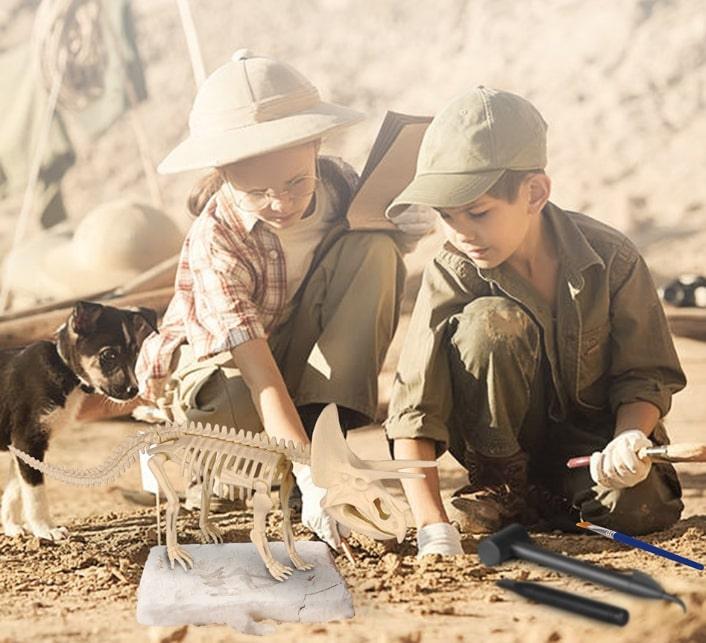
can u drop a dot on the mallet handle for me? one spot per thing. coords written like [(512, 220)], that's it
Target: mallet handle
[(587, 571)]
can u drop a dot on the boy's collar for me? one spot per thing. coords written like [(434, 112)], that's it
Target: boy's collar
[(576, 254), (582, 254), (569, 237)]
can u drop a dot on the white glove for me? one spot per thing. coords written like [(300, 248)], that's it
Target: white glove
[(618, 465), (438, 538), (313, 515)]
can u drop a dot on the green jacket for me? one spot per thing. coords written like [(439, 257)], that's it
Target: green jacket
[(609, 344)]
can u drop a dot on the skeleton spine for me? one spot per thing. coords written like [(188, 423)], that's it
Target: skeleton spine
[(125, 454)]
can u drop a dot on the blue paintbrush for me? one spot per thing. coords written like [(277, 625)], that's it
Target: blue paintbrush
[(640, 544)]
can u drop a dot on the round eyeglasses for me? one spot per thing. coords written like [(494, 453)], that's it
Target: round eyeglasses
[(297, 190)]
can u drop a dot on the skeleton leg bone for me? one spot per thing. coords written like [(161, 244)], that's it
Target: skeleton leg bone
[(174, 551), (262, 503), (285, 491), (209, 531)]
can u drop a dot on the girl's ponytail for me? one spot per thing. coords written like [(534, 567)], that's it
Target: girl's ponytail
[(204, 189)]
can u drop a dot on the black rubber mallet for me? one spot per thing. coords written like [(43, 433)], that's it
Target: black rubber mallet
[(514, 542)]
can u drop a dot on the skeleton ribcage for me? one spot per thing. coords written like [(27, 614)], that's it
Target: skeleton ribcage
[(226, 469)]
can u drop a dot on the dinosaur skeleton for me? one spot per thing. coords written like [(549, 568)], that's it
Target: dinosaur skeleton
[(226, 462)]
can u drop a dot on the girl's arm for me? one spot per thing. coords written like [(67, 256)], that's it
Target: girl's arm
[(268, 390), (281, 420)]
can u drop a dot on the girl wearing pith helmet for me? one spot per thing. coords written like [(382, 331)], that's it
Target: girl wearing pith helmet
[(279, 307)]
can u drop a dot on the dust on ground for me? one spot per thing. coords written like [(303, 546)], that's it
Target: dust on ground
[(85, 589)]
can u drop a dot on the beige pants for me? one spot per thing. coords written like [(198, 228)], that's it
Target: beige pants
[(330, 345)]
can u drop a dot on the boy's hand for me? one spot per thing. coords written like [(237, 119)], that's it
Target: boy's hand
[(313, 515), (618, 465), (438, 538)]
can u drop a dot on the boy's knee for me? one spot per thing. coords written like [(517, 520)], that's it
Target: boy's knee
[(494, 325)]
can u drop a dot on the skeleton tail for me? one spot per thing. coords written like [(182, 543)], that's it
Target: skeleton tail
[(119, 461)]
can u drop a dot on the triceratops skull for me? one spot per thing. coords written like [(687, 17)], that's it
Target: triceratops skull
[(355, 496)]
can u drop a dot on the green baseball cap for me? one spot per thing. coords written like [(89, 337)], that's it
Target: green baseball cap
[(469, 145)]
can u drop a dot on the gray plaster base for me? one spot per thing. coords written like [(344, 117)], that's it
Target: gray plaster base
[(230, 585)]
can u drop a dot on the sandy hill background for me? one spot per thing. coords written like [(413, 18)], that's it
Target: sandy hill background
[(621, 84)]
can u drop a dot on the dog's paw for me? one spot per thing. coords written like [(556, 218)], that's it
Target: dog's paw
[(47, 532), (13, 529)]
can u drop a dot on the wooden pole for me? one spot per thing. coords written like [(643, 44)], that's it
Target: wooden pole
[(159, 276), (136, 124), (192, 41)]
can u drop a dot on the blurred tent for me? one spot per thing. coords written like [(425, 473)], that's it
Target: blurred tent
[(82, 63), (80, 68)]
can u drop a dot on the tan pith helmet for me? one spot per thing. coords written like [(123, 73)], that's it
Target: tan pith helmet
[(110, 246), (468, 146), (251, 106)]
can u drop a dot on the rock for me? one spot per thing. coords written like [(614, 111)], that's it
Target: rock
[(230, 585), (371, 585), (391, 563)]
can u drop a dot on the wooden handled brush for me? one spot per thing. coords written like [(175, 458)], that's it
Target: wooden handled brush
[(685, 452)]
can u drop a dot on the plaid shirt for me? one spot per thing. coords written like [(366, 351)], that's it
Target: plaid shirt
[(230, 284)]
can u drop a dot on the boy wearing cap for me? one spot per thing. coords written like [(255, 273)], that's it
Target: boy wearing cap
[(537, 335)]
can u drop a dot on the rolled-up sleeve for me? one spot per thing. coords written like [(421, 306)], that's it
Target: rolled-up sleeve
[(225, 314), (644, 362), (421, 400)]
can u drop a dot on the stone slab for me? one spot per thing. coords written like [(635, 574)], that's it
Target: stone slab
[(230, 585)]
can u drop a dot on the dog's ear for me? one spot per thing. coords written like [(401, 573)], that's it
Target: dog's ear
[(144, 322), (84, 317)]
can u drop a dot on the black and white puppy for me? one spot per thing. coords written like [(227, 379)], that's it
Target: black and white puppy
[(42, 389)]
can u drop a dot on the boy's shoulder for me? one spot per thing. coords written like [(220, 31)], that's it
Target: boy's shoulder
[(616, 251), (609, 243)]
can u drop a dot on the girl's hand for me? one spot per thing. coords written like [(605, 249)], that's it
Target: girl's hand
[(314, 516), (415, 220), (159, 391)]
